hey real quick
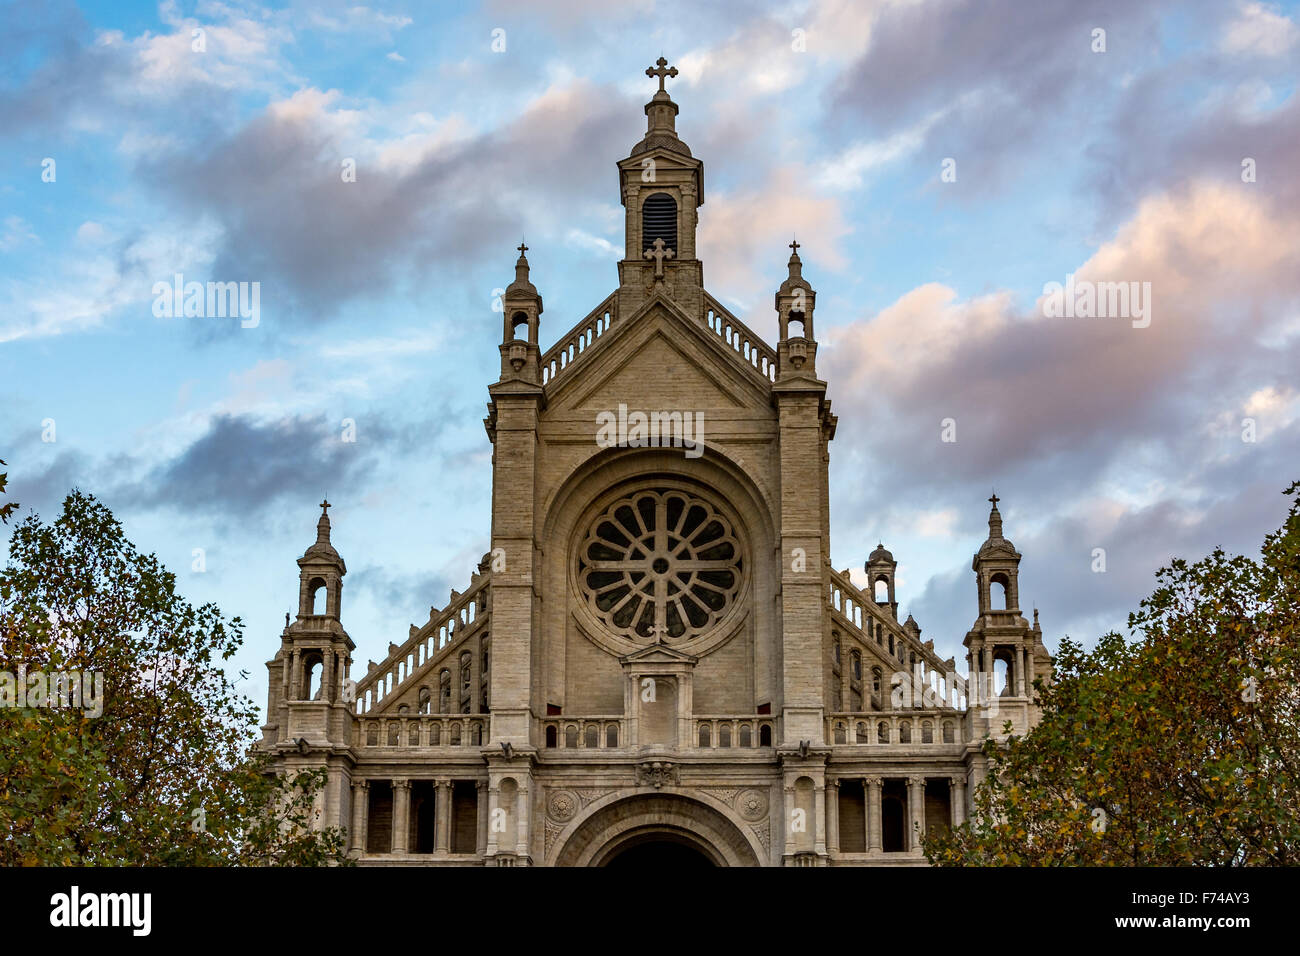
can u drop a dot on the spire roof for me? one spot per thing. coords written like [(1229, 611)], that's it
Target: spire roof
[(995, 541), (661, 113), (323, 549)]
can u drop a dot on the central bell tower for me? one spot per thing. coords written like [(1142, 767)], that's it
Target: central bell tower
[(661, 186)]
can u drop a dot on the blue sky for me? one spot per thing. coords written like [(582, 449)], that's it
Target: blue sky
[(827, 120)]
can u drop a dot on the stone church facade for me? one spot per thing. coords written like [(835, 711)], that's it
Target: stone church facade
[(656, 661)]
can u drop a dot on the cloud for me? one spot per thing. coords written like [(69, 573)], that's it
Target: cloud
[(241, 467), (1259, 29)]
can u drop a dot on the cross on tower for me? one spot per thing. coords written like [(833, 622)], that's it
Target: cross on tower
[(659, 253), (325, 507), (521, 247), (795, 246), (661, 72), (995, 499)]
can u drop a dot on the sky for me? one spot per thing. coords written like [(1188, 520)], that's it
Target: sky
[(941, 162)]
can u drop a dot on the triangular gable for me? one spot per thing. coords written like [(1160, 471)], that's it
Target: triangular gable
[(660, 351)]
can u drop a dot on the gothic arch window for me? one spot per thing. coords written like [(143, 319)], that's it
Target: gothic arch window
[(659, 221), (519, 321), (999, 589), (660, 564), (317, 593)]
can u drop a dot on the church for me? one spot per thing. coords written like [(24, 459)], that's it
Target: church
[(656, 662)]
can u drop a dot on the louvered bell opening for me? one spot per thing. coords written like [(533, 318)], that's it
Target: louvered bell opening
[(659, 221)]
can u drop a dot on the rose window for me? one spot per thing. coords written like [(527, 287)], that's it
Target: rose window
[(660, 565)]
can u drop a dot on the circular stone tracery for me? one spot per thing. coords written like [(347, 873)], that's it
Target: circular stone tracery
[(660, 565)]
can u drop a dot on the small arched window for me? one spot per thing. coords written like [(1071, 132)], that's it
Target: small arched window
[(841, 734), (435, 734), (394, 731), (746, 736), (611, 735), (927, 732), (592, 737), (905, 732), (882, 732), (765, 735), (413, 735), (551, 736), (426, 700), (724, 736), (454, 737), (875, 680), (571, 736), (835, 651), (861, 732), (947, 732), (706, 736), (372, 735), (857, 666), (659, 221), (519, 326)]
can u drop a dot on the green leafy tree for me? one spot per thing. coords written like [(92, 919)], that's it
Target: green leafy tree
[(1181, 747), (165, 775)]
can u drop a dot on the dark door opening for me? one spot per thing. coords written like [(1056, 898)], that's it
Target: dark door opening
[(660, 853)]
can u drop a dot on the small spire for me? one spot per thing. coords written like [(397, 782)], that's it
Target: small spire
[(323, 525), (521, 264), (995, 518), (796, 264)]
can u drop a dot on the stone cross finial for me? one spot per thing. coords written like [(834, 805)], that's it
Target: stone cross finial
[(521, 247), (795, 246), (995, 499), (658, 252), (661, 72), (325, 507)]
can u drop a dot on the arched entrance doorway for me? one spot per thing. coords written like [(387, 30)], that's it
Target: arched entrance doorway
[(656, 850), (656, 829)]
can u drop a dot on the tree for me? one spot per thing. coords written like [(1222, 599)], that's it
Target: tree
[(155, 766), (1181, 747)]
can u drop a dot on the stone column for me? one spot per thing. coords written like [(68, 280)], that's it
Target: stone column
[(791, 840), (819, 808), (833, 816), (442, 807), (523, 819), (294, 692), (482, 787), (874, 844), (360, 814), (958, 801), (401, 815), (915, 813), (1020, 672), (475, 676)]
